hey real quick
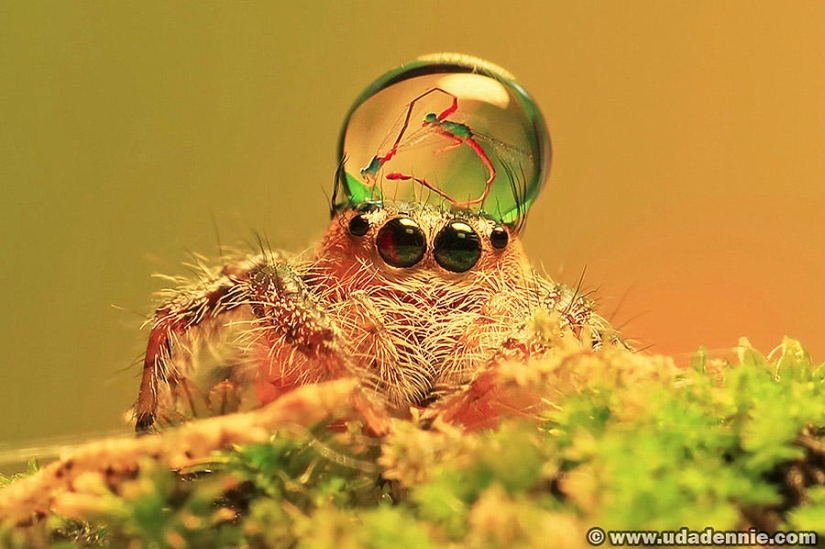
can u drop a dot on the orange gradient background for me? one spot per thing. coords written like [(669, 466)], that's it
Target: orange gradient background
[(688, 176)]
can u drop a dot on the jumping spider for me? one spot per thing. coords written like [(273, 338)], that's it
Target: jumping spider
[(414, 291)]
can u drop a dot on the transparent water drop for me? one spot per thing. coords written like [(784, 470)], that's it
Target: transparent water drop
[(448, 130)]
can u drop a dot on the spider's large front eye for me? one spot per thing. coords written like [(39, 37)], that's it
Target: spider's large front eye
[(457, 247), (401, 242)]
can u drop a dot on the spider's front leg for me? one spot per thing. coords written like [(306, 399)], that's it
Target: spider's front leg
[(283, 314)]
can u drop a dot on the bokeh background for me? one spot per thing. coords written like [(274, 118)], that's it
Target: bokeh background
[(688, 177)]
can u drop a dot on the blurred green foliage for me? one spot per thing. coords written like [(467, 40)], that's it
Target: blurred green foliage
[(629, 445)]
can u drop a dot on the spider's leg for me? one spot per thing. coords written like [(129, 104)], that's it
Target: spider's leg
[(188, 308), (268, 285)]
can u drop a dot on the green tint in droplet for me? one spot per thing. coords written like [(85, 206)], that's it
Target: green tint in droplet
[(447, 130)]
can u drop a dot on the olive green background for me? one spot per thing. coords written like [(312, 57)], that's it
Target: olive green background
[(688, 177)]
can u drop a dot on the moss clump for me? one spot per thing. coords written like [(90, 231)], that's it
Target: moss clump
[(626, 442)]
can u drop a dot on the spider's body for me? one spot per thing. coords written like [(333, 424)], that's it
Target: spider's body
[(414, 335)]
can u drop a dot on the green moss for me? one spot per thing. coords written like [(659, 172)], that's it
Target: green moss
[(627, 442)]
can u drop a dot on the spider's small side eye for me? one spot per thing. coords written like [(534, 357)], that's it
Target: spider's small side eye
[(499, 238), (457, 247), (358, 225), (401, 242)]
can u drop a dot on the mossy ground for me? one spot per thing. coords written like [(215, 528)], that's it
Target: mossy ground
[(625, 441)]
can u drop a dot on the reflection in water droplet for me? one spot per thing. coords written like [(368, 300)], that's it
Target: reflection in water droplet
[(447, 130)]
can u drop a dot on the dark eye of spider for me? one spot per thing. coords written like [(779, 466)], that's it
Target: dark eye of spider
[(401, 242), (499, 238), (457, 247), (358, 225)]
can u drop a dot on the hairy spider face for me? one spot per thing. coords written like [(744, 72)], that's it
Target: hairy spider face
[(411, 290)]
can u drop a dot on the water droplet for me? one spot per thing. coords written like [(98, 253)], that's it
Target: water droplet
[(447, 130)]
